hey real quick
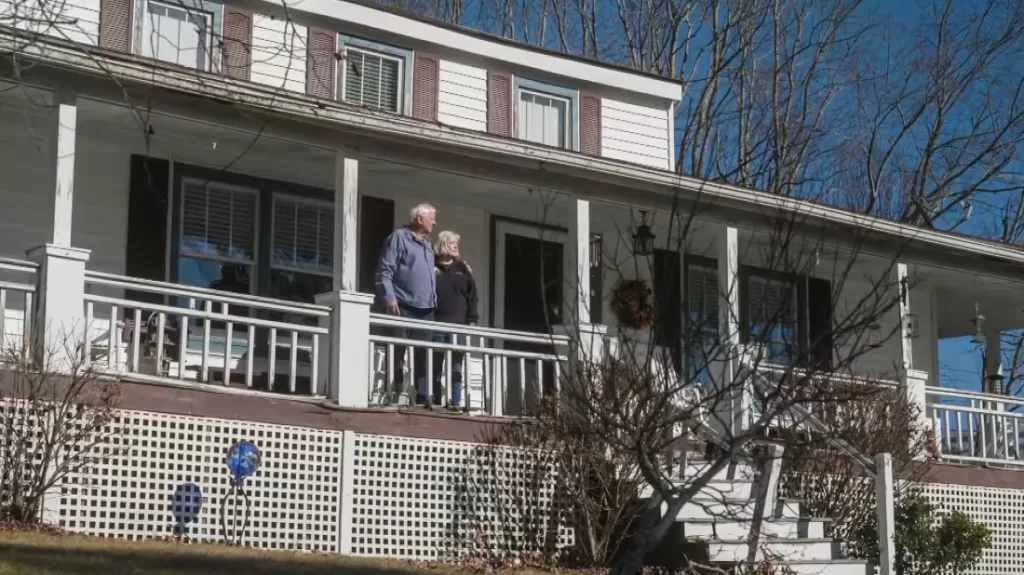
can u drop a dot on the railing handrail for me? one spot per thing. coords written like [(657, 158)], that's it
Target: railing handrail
[(964, 394), (175, 290), (16, 265), (434, 345), (462, 329), (14, 286), (850, 378), (204, 315), (813, 422), (977, 410)]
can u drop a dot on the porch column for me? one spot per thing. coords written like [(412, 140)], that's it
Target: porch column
[(577, 262), (346, 365), (732, 409), (906, 330), (64, 167), (59, 304)]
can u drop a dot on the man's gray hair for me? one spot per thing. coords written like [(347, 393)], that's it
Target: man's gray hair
[(441, 245), (421, 210)]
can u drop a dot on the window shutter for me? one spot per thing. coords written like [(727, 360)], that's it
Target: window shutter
[(303, 235), (116, 25), (320, 65), (425, 87), (237, 42), (499, 104), (376, 221), (819, 307), (146, 250), (590, 124), (218, 222)]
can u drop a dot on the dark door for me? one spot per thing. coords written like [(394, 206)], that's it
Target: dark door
[(533, 303)]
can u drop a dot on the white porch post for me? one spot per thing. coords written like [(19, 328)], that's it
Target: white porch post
[(60, 305), (906, 331), (733, 407), (886, 514), (577, 262), (347, 363)]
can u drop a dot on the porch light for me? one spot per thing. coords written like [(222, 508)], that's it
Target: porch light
[(979, 331), (874, 336), (643, 239)]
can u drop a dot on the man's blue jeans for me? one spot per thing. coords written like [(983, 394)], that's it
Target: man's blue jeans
[(419, 353), (440, 370)]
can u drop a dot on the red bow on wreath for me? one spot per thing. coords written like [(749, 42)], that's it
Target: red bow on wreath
[(633, 301)]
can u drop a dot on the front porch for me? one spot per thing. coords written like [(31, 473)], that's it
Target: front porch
[(176, 254)]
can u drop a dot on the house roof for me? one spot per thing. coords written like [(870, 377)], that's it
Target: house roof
[(506, 156), (481, 45)]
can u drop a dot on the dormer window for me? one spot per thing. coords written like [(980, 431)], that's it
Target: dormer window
[(374, 75), (546, 114)]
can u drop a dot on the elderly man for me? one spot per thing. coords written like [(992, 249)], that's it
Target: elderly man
[(406, 285)]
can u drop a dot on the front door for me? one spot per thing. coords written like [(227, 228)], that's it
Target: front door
[(528, 297)]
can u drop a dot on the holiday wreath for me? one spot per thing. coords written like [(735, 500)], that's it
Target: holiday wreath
[(633, 302)]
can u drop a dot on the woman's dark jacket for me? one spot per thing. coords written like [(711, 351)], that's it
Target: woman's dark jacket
[(456, 293)]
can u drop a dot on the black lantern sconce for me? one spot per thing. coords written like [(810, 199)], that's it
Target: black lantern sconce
[(643, 239)]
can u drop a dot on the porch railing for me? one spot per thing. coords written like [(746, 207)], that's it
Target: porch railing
[(500, 372), (154, 329), (977, 427), (17, 293)]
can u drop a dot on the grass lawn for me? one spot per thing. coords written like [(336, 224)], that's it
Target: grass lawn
[(38, 554)]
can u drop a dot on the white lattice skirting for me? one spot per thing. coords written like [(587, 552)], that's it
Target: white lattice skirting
[(317, 490), (372, 495)]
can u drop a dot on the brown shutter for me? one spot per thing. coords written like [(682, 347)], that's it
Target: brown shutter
[(116, 24), (590, 124), (146, 248), (321, 63), (237, 42), (424, 89), (499, 104)]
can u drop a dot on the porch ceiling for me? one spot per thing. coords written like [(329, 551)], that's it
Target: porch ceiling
[(956, 293)]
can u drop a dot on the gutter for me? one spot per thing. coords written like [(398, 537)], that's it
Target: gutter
[(126, 68)]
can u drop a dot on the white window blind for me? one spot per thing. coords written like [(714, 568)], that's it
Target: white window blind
[(543, 119), (702, 297), (772, 301), (218, 221), (177, 34), (303, 235), (372, 79)]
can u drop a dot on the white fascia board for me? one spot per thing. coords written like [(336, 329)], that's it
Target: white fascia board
[(495, 50)]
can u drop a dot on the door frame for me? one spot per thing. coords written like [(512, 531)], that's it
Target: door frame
[(501, 227)]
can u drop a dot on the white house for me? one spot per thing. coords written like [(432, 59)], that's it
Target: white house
[(152, 152)]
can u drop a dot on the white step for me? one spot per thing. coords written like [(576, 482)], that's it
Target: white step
[(834, 567), (740, 471), (702, 507), (779, 550), (724, 528), (716, 489)]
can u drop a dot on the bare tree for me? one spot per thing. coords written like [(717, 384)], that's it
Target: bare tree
[(51, 425)]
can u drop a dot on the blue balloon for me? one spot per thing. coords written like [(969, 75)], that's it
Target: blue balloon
[(243, 460)]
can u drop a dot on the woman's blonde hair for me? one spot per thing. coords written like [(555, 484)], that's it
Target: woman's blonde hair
[(441, 244)]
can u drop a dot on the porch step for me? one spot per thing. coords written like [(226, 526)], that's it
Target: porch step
[(780, 550), (703, 507), (715, 489), (727, 529), (831, 567)]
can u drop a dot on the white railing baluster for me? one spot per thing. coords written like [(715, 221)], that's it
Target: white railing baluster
[(314, 367), (250, 352), (26, 328), (205, 373), (272, 367), (294, 361), (3, 317), (182, 345), (161, 324), (229, 345), (111, 339), (389, 357), (136, 339), (89, 310)]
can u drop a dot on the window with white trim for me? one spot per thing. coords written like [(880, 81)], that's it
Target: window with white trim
[(773, 309), (177, 33), (544, 118), (373, 79), (302, 248), (217, 243)]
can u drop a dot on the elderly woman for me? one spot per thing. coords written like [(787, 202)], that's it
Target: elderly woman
[(456, 303)]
